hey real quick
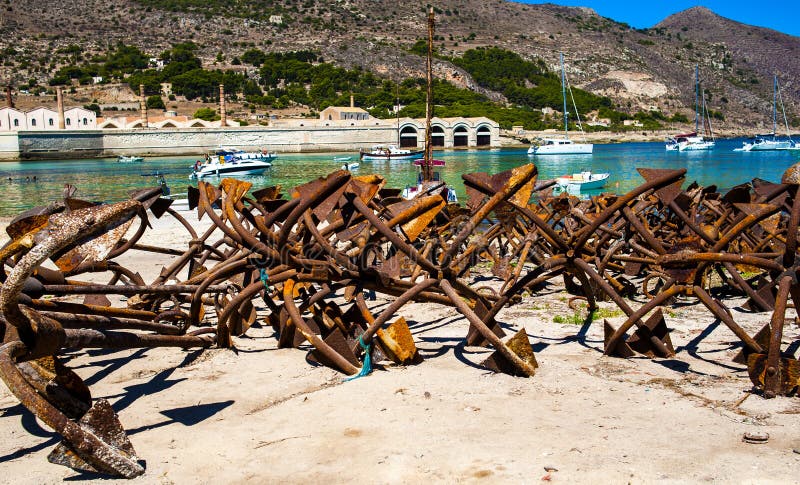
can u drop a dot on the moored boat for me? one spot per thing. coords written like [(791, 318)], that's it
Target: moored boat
[(129, 159), (583, 180), (770, 141), (228, 166), (562, 146), (688, 142), (389, 152)]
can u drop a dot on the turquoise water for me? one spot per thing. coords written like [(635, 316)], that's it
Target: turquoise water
[(109, 181)]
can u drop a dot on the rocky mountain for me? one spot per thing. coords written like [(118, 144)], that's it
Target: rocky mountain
[(638, 69)]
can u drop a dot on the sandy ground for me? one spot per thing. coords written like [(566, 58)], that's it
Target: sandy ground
[(266, 415)]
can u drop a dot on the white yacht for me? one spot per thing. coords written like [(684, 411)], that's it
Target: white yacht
[(770, 141), (688, 142), (233, 162), (562, 146)]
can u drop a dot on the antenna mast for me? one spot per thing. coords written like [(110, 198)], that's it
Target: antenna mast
[(427, 172)]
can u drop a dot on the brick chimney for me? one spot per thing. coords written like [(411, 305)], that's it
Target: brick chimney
[(223, 115), (60, 108), (143, 105), (9, 99)]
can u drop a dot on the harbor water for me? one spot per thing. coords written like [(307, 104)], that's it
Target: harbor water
[(27, 184)]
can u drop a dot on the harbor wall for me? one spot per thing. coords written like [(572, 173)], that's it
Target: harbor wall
[(70, 144), (9, 145)]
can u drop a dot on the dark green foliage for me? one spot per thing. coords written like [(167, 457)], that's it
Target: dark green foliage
[(524, 83), (93, 107), (207, 114), (155, 102)]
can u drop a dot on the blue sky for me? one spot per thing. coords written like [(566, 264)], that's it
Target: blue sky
[(781, 15)]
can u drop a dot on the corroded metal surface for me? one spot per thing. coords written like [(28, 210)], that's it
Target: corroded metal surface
[(311, 257)]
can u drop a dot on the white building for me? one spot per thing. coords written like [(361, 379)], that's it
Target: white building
[(41, 119), (80, 119), (12, 119)]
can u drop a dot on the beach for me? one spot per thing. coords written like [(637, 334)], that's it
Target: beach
[(263, 414)]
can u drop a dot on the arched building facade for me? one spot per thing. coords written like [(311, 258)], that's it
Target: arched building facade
[(450, 132)]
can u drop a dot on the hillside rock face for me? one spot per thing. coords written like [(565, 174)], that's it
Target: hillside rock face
[(638, 69)]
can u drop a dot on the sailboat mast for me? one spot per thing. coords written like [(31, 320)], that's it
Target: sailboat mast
[(427, 174), (774, 105), (696, 98), (564, 94)]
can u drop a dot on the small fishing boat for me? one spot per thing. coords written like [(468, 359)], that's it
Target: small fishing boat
[(583, 180), (129, 159), (389, 152), (342, 159), (350, 166)]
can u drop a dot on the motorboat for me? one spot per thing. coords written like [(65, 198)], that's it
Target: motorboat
[(350, 166), (559, 146), (222, 166), (342, 159), (389, 152), (583, 180), (129, 159), (562, 146), (234, 154)]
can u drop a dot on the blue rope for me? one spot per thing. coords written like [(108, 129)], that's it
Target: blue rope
[(264, 278), (366, 367)]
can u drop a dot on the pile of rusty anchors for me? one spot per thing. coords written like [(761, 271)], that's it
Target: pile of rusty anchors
[(81, 237), (340, 236)]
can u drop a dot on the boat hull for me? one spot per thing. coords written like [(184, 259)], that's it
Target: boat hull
[(595, 182), (570, 149), (367, 157), (232, 169), (696, 146)]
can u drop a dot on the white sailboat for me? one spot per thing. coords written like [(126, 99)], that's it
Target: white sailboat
[(562, 146), (770, 141), (688, 142)]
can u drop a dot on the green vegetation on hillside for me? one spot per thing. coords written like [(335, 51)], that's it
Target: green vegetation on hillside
[(303, 78), (524, 83)]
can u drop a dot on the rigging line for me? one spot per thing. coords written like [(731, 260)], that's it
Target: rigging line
[(577, 114), (783, 109)]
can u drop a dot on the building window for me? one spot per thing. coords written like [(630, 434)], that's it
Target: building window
[(85, 122), (33, 122), (16, 122), (69, 121), (50, 121)]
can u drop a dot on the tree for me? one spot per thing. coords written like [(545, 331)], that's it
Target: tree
[(93, 107), (206, 114), (155, 102)]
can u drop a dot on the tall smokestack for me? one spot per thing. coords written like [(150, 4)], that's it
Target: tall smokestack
[(143, 105), (60, 107), (352, 102), (9, 99), (223, 115)]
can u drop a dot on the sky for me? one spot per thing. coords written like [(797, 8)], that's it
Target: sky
[(780, 15)]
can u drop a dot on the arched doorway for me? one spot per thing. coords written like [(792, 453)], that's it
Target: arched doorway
[(437, 136), (408, 137), (484, 136), (460, 136)]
